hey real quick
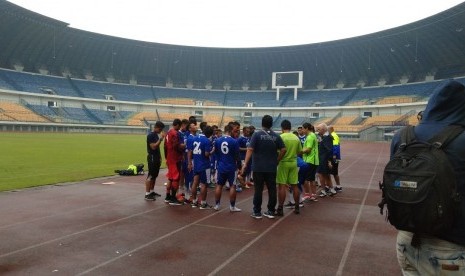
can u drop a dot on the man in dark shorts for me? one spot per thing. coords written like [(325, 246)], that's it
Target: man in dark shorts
[(336, 158), (154, 140), (325, 150), (263, 151), (311, 156)]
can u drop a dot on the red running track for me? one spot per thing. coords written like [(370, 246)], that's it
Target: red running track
[(92, 228)]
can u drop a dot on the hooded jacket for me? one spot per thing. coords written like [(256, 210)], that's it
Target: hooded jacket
[(446, 106)]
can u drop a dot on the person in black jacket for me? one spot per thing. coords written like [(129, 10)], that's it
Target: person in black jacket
[(444, 254), (325, 150)]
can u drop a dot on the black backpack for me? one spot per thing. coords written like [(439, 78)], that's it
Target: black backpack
[(419, 185)]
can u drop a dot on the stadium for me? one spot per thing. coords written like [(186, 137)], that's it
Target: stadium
[(55, 79)]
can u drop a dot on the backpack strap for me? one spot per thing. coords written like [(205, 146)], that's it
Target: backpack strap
[(449, 133), (407, 135)]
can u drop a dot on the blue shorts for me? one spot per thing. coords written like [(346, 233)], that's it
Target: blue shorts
[(226, 176), (202, 175)]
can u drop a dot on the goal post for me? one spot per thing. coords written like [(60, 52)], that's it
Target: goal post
[(287, 80)]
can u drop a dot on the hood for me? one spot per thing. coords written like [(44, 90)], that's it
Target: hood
[(446, 105)]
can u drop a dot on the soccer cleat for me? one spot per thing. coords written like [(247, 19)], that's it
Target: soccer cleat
[(332, 191), (217, 207), (205, 206), (269, 214), (322, 193), (149, 197), (256, 215), (306, 197), (238, 189), (234, 209), (168, 199), (297, 211), (338, 189), (175, 202), (195, 204), (289, 205), (314, 198), (156, 194), (279, 212)]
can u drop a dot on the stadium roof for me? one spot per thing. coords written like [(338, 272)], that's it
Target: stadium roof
[(432, 46)]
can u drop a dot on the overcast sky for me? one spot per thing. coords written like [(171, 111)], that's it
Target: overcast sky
[(236, 23)]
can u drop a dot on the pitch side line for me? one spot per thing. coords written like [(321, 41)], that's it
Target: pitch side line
[(357, 220)]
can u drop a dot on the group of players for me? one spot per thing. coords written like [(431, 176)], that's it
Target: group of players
[(196, 159)]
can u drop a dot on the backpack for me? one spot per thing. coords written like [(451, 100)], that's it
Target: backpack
[(419, 185)]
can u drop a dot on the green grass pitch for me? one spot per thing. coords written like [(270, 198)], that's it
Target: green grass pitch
[(35, 159)]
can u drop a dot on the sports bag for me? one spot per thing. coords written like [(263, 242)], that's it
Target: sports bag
[(419, 184)]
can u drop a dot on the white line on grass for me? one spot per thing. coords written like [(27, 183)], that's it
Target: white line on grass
[(357, 220)]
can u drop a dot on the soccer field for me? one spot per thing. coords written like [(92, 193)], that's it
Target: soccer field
[(35, 159)]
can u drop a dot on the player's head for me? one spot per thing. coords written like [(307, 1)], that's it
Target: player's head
[(300, 131), (236, 128), (227, 129), (176, 124), (267, 121), (208, 131), (331, 129), (158, 127), (184, 123), (203, 125), (193, 120), (192, 128), (252, 130), (286, 125), (307, 128), (246, 131)]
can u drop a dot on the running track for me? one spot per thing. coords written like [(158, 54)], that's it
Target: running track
[(91, 228)]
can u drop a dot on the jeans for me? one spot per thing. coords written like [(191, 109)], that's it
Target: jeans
[(433, 257), (260, 179)]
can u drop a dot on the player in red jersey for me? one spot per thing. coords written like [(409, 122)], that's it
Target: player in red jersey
[(174, 149)]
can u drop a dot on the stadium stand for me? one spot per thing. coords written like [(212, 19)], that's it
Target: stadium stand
[(380, 119), (344, 120), (140, 76), (16, 112)]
